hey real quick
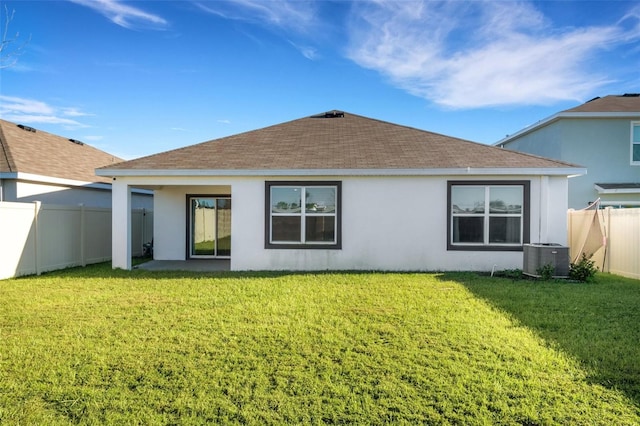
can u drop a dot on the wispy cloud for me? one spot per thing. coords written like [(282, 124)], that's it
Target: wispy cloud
[(478, 54), (298, 16), (30, 111), (294, 18), (124, 15), (308, 52)]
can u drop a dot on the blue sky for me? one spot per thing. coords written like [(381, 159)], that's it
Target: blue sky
[(139, 77)]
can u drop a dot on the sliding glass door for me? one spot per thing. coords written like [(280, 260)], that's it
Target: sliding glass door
[(209, 227)]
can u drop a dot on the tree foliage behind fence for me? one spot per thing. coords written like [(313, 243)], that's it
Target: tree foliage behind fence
[(36, 238)]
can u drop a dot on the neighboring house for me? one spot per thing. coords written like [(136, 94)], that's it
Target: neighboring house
[(604, 136), (40, 166), (338, 191)]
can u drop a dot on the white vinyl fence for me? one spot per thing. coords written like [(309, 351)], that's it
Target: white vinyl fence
[(36, 238), (619, 231)]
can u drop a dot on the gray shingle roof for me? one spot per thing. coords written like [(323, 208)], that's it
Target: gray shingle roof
[(333, 142), (45, 154), (612, 103)]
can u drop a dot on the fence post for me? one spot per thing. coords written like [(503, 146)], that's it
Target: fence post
[(83, 234), (570, 232), (607, 248), (36, 236)]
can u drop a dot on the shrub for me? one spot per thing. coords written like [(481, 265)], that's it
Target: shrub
[(583, 270), (514, 274), (546, 271)]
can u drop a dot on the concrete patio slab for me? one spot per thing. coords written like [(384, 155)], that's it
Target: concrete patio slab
[(191, 265)]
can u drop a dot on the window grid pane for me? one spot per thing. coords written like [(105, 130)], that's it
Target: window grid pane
[(285, 229), (320, 229), (504, 230), (636, 133), (468, 229)]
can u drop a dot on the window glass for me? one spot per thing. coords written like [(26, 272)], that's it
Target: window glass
[(320, 199), (320, 228), (636, 133), (467, 199), (504, 230), (636, 152), (286, 228), (285, 200), (505, 199), (468, 229)]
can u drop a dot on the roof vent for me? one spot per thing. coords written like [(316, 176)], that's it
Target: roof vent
[(77, 142), (631, 95), (333, 114), (329, 114), (27, 128), (591, 100)]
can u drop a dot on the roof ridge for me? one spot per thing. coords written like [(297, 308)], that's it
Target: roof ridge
[(6, 152)]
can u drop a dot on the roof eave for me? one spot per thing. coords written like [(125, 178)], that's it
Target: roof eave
[(529, 171), (546, 121), (602, 190)]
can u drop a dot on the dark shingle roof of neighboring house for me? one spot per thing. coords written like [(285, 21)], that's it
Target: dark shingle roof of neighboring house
[(629, 102), (334, 141), (24, 149)]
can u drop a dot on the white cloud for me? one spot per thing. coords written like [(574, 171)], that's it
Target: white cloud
[(123, 15), (73, 112), (476, 54), (308, 52), (30, 111), (23, 106), (299, 16), (293, 17)]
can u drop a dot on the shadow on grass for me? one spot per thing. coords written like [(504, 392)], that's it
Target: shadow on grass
[(597, 323)]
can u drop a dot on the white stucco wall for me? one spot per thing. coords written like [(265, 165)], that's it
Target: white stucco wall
[(388, 223), (28, 192)]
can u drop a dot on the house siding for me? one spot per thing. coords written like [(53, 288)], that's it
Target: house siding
[(388, 223), (601, 145)]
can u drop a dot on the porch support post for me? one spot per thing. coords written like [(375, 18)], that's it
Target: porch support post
[(120, 225)]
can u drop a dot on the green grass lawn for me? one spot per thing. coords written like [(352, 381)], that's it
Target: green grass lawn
[(95, 346)]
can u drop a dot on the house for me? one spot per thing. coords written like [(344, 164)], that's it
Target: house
[(603, 135), (338, 191), (40, 166)]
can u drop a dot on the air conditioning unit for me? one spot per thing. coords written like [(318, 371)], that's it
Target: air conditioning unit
[(536, 256)]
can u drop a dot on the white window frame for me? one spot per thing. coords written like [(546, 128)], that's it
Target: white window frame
[(633, 143)]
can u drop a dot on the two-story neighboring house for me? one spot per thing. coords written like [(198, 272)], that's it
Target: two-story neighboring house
[(40, 166), (603, 135)]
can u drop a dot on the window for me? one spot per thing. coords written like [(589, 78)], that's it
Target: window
[(303, 215), (488, 215), (635, 143)]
